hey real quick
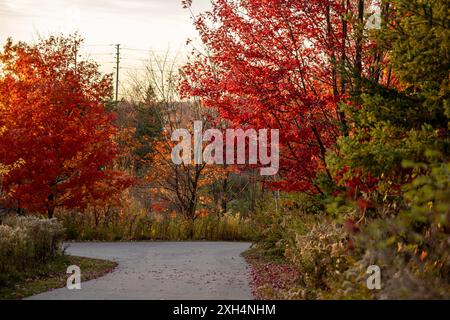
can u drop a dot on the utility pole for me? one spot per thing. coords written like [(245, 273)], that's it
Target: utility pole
[(117, 71), (76, 57)]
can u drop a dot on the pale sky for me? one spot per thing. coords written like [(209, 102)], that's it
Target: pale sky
[(138, 25)]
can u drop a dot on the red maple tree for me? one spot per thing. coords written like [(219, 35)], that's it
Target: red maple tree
[(281, 65), (53, 111)]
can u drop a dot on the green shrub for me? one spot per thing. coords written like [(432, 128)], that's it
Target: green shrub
[(278, 224), (413, 248)]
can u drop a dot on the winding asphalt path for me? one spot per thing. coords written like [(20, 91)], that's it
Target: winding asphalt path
[(163, 270)]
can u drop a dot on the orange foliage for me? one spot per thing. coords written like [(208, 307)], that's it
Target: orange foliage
[(55, 120), (180, 185)]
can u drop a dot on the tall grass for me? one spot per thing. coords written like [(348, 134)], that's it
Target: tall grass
[(141, 226)]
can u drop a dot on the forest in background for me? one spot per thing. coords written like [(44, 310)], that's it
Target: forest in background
[(362, 105)]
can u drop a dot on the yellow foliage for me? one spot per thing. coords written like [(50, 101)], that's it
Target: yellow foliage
[(4, 169)]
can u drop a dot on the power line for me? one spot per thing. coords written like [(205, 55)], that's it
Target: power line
[(133, 55), (96, 45), (148, 50), (135, 59), (100, 53), (139, 50)]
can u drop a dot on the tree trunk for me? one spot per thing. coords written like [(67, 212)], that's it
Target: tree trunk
[(359, 40), (50, 212), (224, 198), (51, 206), (341, 114)]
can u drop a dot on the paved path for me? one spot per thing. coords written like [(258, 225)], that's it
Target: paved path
[(163, 270)]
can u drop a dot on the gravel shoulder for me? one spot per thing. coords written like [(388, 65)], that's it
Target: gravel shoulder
[(163, 270)]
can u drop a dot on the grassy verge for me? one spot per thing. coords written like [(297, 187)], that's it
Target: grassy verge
[(272, 277), (53, 275), (140, 226)]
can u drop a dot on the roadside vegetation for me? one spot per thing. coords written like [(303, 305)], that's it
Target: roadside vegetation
[(142, 226), (364, 177), (32, 259)]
